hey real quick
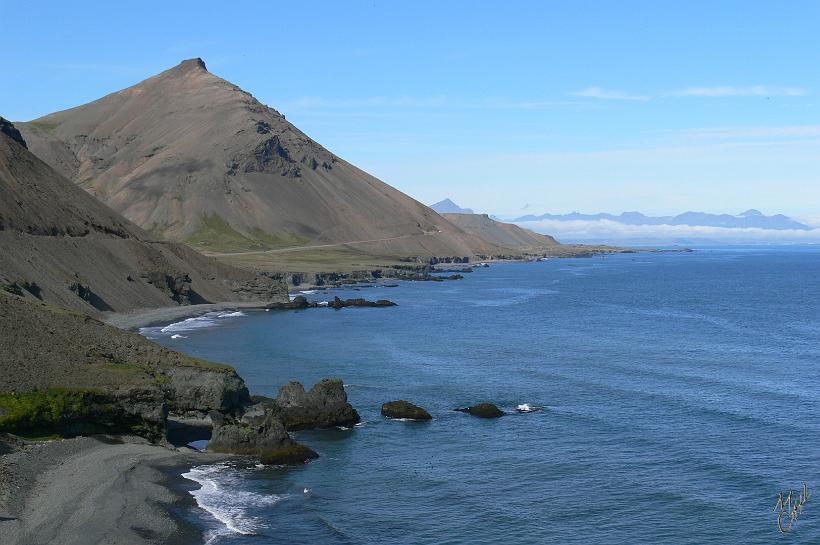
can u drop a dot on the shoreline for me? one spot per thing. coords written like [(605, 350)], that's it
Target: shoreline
[(147, 317), (95, 490), (135, 319)]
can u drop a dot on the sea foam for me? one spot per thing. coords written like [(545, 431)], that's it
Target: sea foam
[(221, 496)]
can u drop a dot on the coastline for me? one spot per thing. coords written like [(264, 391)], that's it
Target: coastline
[(95, 490), (146, 317), (135, 319)]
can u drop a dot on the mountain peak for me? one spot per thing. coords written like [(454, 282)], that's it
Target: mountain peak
[(447, 206), (193, 64), (751, 212)]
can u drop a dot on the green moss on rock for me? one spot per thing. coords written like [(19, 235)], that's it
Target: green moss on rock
[(67, 412)]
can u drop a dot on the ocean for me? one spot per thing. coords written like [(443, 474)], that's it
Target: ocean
[(679, 395)]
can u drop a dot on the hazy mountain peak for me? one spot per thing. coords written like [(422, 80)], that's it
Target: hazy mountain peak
[(447, 206), (751, 213)]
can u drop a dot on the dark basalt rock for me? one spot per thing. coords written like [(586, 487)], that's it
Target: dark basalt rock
[(323, 406), (8, 128), (298, 302), (261, 435), (193, 390), (292, 454), (483, 410), (359, 302), (177, 286), (404, 409)]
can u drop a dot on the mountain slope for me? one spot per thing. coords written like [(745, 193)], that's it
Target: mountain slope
[(502, 234), (60, 245), (193, 158)]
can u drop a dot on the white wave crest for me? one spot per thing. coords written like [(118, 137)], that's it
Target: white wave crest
[(189, 324), (221, 496)]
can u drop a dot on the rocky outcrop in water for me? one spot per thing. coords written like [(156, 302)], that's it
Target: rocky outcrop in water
[(359, 302), (404, 409), (323, 406), (483, 410), (262, 434), (300, 302)]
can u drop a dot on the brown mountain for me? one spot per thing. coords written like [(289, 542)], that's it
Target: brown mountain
[(502, 234), (61, 245), (524, 241), (194, 158)]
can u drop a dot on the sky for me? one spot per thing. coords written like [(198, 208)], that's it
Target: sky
[(507, 107)]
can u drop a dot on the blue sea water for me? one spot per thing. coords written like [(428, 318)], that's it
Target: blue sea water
[(680, 394)]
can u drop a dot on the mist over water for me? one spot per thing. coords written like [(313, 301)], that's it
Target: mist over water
[(679, 393)]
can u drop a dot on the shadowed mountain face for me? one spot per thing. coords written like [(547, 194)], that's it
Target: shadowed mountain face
[(61, 245), (193, 158)]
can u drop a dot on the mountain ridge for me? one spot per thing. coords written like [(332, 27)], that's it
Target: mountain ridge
[(749, 219)]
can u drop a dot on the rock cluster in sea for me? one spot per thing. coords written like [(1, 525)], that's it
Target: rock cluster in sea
[(300, 302), (262, 430)]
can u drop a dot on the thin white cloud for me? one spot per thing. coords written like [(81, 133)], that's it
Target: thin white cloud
[(787, 131), (607, 94), (733, 91)]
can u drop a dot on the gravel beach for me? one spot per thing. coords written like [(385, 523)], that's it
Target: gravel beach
[(93, 490)]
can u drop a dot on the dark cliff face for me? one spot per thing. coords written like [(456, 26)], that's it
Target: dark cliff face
[(67, 373), (8, 128)]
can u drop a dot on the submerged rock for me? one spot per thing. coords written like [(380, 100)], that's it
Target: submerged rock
[(323, 406), (404, 409), (483, 410)]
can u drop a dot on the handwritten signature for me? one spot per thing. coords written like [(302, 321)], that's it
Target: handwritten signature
[(789, 507)]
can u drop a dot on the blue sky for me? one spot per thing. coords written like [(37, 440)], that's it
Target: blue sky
[(506, 107)]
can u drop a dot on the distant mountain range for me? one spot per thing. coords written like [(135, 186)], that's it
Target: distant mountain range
[(748, 219), (449, 207)]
